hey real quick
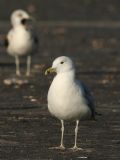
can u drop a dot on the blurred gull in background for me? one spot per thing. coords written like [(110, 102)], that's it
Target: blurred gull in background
[(21, 40)]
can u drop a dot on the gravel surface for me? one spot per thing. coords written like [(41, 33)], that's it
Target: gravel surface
[(27, 130)]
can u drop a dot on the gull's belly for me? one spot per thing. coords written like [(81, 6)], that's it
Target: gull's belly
[(65, 108), (68, 114), (20, 45)]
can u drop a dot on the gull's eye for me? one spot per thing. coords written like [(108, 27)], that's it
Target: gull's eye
[(61, 62), (19, 15)]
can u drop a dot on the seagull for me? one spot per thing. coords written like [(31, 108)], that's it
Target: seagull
[(21, 40), (68, 98)]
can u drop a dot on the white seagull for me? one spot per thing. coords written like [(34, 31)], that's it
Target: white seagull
[(68, 98), (21, 40)]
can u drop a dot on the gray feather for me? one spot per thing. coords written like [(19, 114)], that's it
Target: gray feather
[(89, 99)]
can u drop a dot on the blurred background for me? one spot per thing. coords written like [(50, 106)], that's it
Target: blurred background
[(81, 10), (69, 27), (89, 32)]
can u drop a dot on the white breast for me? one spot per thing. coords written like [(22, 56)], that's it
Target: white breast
[(65, 99), (20, 41)]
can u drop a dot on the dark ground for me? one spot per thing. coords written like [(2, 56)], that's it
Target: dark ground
[(89, 33), (27, 130)]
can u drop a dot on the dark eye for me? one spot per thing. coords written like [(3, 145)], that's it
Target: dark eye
[(19, 15), (61, 62)]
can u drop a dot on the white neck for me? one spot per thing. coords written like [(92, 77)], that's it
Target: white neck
[(70, 75)]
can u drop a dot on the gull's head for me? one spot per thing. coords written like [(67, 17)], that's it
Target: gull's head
[(20, 17), (61, 65)]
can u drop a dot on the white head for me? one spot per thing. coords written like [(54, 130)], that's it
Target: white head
[(61, 65), (19, 17)]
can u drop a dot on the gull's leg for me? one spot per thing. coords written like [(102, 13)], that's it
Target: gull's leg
[(62, 135), (17, 62), (76, 132), (28, 65)]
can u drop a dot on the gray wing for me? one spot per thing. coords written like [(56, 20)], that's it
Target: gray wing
[(34, 36), (89, 99), (36, 40)]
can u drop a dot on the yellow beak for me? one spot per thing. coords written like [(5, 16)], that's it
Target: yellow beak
[(50, 70)]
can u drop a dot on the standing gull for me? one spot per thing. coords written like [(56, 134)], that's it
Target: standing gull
[(68, 98), (21, 40)]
